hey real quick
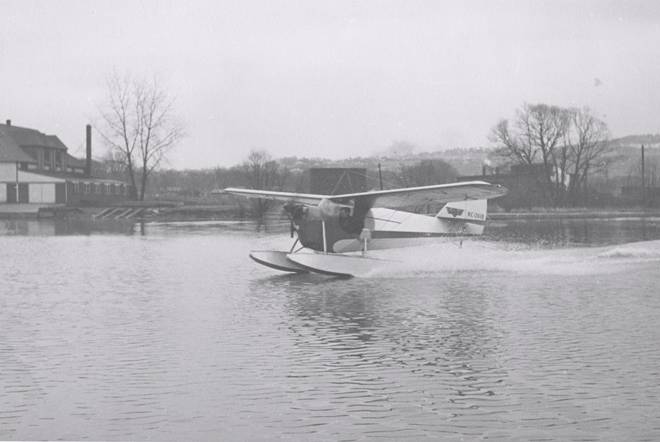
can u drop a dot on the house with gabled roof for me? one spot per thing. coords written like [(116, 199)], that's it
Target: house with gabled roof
[(37, 168)]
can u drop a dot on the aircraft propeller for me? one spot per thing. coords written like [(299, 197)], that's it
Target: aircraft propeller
[(293, 211)]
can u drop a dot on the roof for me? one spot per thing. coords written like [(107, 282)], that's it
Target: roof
[(73, 161), (10, 150), (25, 137)]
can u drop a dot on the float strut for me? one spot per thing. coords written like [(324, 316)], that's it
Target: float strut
[(365, 236), (294, 245), (325, 241)]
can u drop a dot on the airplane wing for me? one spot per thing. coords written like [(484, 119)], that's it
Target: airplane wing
[(303, 198), (414, 196), (392, 199)]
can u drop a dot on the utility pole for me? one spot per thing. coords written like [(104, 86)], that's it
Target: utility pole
[(380, 177), (643, 180), (18, 200)]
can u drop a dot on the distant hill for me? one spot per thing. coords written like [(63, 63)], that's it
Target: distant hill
[(466, 161), (623, 163), (649, 140)]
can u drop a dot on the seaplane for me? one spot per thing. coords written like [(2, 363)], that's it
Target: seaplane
[(335, 233)]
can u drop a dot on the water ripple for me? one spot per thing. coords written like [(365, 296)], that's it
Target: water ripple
[(174, 338)]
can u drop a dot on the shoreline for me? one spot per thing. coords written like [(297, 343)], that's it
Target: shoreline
[(224, 212), (605, 213)]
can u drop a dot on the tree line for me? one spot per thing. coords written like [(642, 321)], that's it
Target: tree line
[(139, 124)]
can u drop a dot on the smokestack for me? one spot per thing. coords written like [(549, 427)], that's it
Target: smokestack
[(8, 122), (88, 157)]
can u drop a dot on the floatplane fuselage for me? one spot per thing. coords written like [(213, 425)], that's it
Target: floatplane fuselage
[(331, 228)]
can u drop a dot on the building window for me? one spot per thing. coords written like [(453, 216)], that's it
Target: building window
[(88, 188), (47, 159), (76, 187), (58, 158), (108, 189)]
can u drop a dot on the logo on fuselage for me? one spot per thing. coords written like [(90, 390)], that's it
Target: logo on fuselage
[(454, 211)]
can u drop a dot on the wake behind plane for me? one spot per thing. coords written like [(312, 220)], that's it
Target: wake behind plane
[(335, 232)]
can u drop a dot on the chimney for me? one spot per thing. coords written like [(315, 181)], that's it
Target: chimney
[(8, 122), (88, 157)]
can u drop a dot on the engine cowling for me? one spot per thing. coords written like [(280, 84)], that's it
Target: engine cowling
[(326, 210), (331, 210)]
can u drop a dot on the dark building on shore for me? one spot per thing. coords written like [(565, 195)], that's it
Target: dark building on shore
[(337, 180), (522, 181), (37, 168)]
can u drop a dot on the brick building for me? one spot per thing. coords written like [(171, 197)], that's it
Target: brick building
[(37, 168)]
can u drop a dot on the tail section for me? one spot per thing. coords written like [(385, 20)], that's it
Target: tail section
[(471, 214)]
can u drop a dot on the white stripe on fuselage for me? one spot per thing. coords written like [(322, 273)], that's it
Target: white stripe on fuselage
[(394, 228)]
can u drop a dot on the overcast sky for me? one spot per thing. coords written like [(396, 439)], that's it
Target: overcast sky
[(332, 78)]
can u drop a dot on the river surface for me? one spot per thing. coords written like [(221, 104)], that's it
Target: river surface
[(542, 330)]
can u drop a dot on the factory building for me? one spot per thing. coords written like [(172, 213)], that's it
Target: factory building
[(36, 168)]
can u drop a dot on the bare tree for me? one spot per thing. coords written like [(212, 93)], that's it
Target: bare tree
[(139, 124), (512, 146), (587, 140), (540, 130)]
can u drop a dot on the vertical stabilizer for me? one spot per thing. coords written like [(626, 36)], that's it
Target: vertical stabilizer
[(468, 211)]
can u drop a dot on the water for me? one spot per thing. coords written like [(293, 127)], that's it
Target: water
[(541, 331)]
